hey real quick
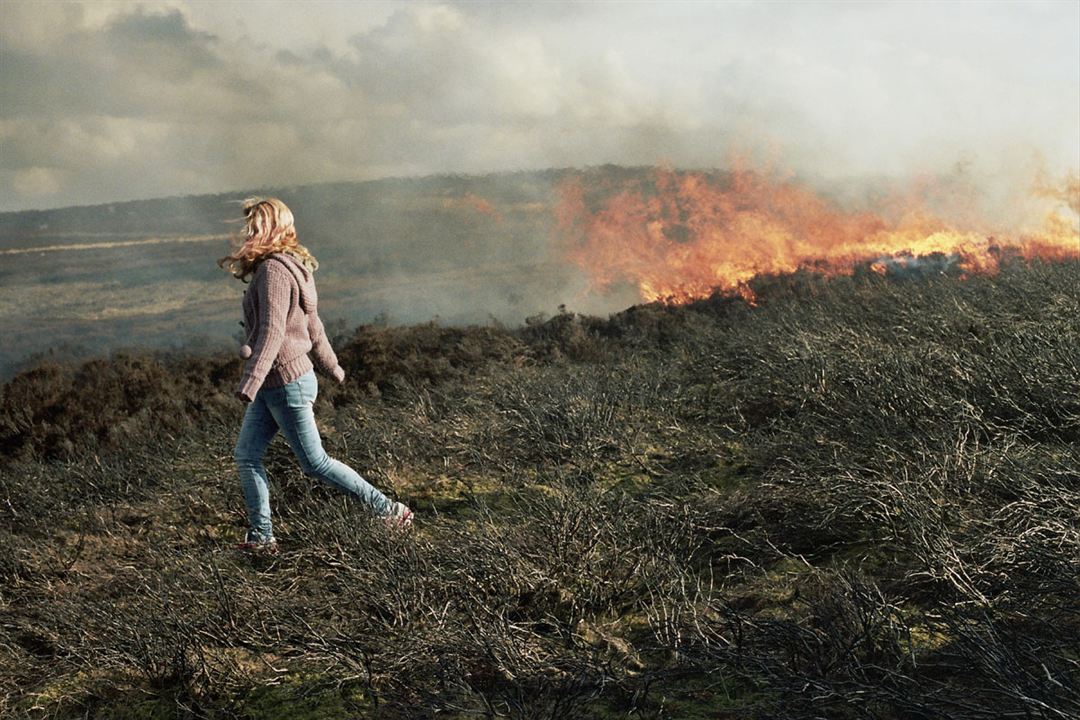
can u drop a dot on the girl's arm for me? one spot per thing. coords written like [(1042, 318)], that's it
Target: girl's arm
[(273, 288), (321, 349)]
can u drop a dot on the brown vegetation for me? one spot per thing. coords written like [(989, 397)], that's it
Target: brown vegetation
[(858, 499)]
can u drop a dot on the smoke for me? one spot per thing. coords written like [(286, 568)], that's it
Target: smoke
[(101, 102), (968, 111)]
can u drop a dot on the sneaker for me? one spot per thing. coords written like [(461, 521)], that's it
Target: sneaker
[(399, 518), (257, 545)]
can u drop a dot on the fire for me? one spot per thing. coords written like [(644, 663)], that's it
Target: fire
[(679, 236)]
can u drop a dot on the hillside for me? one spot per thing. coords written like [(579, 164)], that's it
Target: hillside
[(858, 499), (92, 280), (86, 281)]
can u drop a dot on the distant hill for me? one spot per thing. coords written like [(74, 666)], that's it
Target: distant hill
[(467, 249), (143, 273)]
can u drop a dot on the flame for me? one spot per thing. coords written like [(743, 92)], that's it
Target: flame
[(679, 236)]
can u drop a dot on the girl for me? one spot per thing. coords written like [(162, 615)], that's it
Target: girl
[(279, 385)]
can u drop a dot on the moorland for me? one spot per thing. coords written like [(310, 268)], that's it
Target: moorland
[(86, 281), (859, 498)]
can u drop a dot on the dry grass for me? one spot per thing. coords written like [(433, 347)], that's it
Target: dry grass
[(859, 499)]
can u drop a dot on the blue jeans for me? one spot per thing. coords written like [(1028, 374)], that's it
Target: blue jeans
[(289, 409)]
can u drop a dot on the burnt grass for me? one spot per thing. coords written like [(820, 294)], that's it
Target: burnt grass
[(859, 499)]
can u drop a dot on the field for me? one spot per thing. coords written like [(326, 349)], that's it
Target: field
[(858, 499), (88, 281)]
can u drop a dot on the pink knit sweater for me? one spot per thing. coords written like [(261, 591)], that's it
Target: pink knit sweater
[(282, 322)]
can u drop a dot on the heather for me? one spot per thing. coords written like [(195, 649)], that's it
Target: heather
[(859, 498)]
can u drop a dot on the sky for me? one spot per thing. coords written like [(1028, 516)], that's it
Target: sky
[(118, 100)]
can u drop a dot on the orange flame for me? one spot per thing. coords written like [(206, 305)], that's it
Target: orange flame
[(679, 236)]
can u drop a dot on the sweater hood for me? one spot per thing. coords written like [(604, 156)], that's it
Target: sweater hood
[(305, 279)]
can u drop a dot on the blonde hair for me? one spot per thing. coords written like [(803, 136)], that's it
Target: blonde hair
[(268, 228)]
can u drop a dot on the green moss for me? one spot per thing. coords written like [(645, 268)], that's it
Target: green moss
[(300, 696), (459, 497), (691, 698), (126, 708), (55, 697), (84, 696), (304, 698)]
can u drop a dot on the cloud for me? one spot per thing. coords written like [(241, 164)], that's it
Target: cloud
[(140, 64), (142, 100), (106, 101), (36, 181)]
